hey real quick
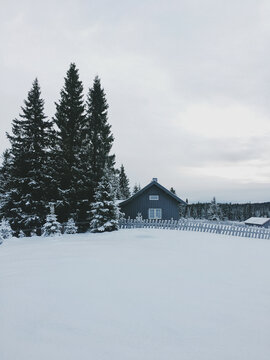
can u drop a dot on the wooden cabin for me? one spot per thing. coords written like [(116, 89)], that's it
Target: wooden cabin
[(258, 221), (154, 201)]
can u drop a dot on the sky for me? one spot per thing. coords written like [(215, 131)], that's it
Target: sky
[(187, 83)]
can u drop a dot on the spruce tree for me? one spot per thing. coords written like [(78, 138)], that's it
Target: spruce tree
[(136, 189), (182, 209), (51, 227), (28, 176), (115, 183), (124, 191), (98, 138), (4, 180), (5, 229), (69, 164), (71, 227), (187, 212), (214, 212), (104, 211)]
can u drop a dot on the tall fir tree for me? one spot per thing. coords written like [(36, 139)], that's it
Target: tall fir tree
[(124, 191), (98, 138), (69, 165), (28, 177)]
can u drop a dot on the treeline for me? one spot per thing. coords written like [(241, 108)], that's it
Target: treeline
[(227, 211), (65, 160)]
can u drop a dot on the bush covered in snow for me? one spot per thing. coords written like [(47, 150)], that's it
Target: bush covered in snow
[(139, 216), (71, 227), (52, 227), (21, 234), (34, 232), (5, 230)]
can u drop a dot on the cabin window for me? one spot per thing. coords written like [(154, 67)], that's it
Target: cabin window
[(153, 197), (154, 213)]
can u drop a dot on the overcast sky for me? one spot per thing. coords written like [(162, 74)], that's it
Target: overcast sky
[(187, 82)]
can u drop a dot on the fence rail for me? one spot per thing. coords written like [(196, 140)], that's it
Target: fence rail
[(200, 226)]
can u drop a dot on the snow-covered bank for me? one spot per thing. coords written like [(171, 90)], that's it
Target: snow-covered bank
[(135, 294)]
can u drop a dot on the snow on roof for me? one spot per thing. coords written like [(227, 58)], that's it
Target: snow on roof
[(257, 220)]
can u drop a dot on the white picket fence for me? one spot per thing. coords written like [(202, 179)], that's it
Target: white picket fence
[(198, 225)]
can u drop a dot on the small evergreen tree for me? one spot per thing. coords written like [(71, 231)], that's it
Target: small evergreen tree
[(104, 211), (21, 234), (70, 227), (203, 214), (123, 184), (5, 229), (187, 212), (214, 212), (247, 211), (136, 188), (115, 183), (119, 215), (182, 209), (193, 211), (52, 227)]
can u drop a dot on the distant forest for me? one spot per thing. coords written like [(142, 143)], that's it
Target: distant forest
[(228, 211)]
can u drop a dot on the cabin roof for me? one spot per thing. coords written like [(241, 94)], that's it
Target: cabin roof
[(257, 220), (153, 183)]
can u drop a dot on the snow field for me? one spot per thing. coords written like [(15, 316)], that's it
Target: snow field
[(135, 294)]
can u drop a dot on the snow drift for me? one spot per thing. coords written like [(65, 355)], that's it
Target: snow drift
[(135, 294)]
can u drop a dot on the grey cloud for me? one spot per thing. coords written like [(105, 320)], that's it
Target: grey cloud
[(154, 58)]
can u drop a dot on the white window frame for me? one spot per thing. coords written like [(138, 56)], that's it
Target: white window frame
[(155, 213), (153, 197)]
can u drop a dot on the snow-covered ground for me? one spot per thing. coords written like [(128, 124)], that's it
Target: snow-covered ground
[(139, 294)]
